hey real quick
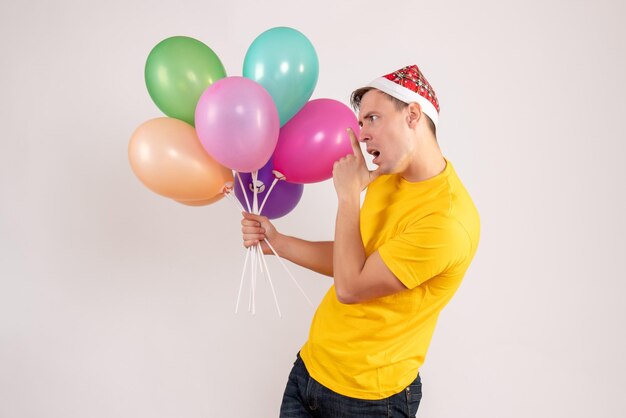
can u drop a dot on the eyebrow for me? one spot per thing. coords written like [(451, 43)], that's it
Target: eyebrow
[(367, 115)]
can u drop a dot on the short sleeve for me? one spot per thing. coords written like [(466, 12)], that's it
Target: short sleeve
[(425, 249)]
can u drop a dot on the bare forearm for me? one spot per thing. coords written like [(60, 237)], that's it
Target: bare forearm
[(348, 252), (313, 255)]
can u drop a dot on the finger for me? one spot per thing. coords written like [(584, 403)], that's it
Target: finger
[(253, 237), (249, 222), (356, 148), (252, 230), (254, 217)]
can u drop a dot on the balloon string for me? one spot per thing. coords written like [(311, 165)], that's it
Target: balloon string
[(288, 272), (243, 190), (235, 201), (269, 278), (261, 260), (268, 194), (243, 273), (251, 304), (255, 201)]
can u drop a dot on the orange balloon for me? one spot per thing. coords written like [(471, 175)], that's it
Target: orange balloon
[(167, 156), (201, 202)]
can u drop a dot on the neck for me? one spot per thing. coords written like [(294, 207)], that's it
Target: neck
[(427, 161)]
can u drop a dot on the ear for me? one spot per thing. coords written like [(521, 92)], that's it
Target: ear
[(414, 114)]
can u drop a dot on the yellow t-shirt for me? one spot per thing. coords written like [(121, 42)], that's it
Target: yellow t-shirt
[(426, 233)]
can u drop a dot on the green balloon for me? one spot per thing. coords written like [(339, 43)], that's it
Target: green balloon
[(178, 70)]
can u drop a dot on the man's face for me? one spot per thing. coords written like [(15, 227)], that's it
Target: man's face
[(385, 131)]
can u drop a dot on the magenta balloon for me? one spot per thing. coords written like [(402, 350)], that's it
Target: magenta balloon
[(237, 123), (311, 142)]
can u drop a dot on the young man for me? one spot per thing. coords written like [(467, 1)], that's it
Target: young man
[(396, 262)]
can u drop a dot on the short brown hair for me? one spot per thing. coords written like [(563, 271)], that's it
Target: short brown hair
[(357, 96)]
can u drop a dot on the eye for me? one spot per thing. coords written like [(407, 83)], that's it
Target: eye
[(372, 118)]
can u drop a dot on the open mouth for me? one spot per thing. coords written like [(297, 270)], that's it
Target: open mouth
[(375, 153)]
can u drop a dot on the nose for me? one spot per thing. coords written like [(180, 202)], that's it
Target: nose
[(363, 135)]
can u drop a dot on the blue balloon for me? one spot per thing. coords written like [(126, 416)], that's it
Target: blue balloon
[(283, 61)]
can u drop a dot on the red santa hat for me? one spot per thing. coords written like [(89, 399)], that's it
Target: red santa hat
[(409, 85)]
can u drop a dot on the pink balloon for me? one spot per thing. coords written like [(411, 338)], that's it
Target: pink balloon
[(311, 142), (237, 123)]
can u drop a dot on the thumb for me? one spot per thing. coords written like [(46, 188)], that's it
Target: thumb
[(252, 216)]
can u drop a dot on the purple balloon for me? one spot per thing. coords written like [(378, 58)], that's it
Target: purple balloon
[(237, 123), (283, 198), (311, 142)]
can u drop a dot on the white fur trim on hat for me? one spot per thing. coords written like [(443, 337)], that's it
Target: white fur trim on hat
[(405, 95)]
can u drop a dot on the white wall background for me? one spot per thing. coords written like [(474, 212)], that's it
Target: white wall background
[(116, 302)]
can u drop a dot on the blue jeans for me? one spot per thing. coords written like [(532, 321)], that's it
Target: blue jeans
[(305, 397)]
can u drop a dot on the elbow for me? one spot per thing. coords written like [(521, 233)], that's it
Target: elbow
[(345, 297)]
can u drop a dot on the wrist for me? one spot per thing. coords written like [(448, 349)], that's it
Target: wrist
[(277, 243), (351, 199)]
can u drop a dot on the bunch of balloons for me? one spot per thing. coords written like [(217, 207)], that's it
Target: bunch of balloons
[(261, 125)]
